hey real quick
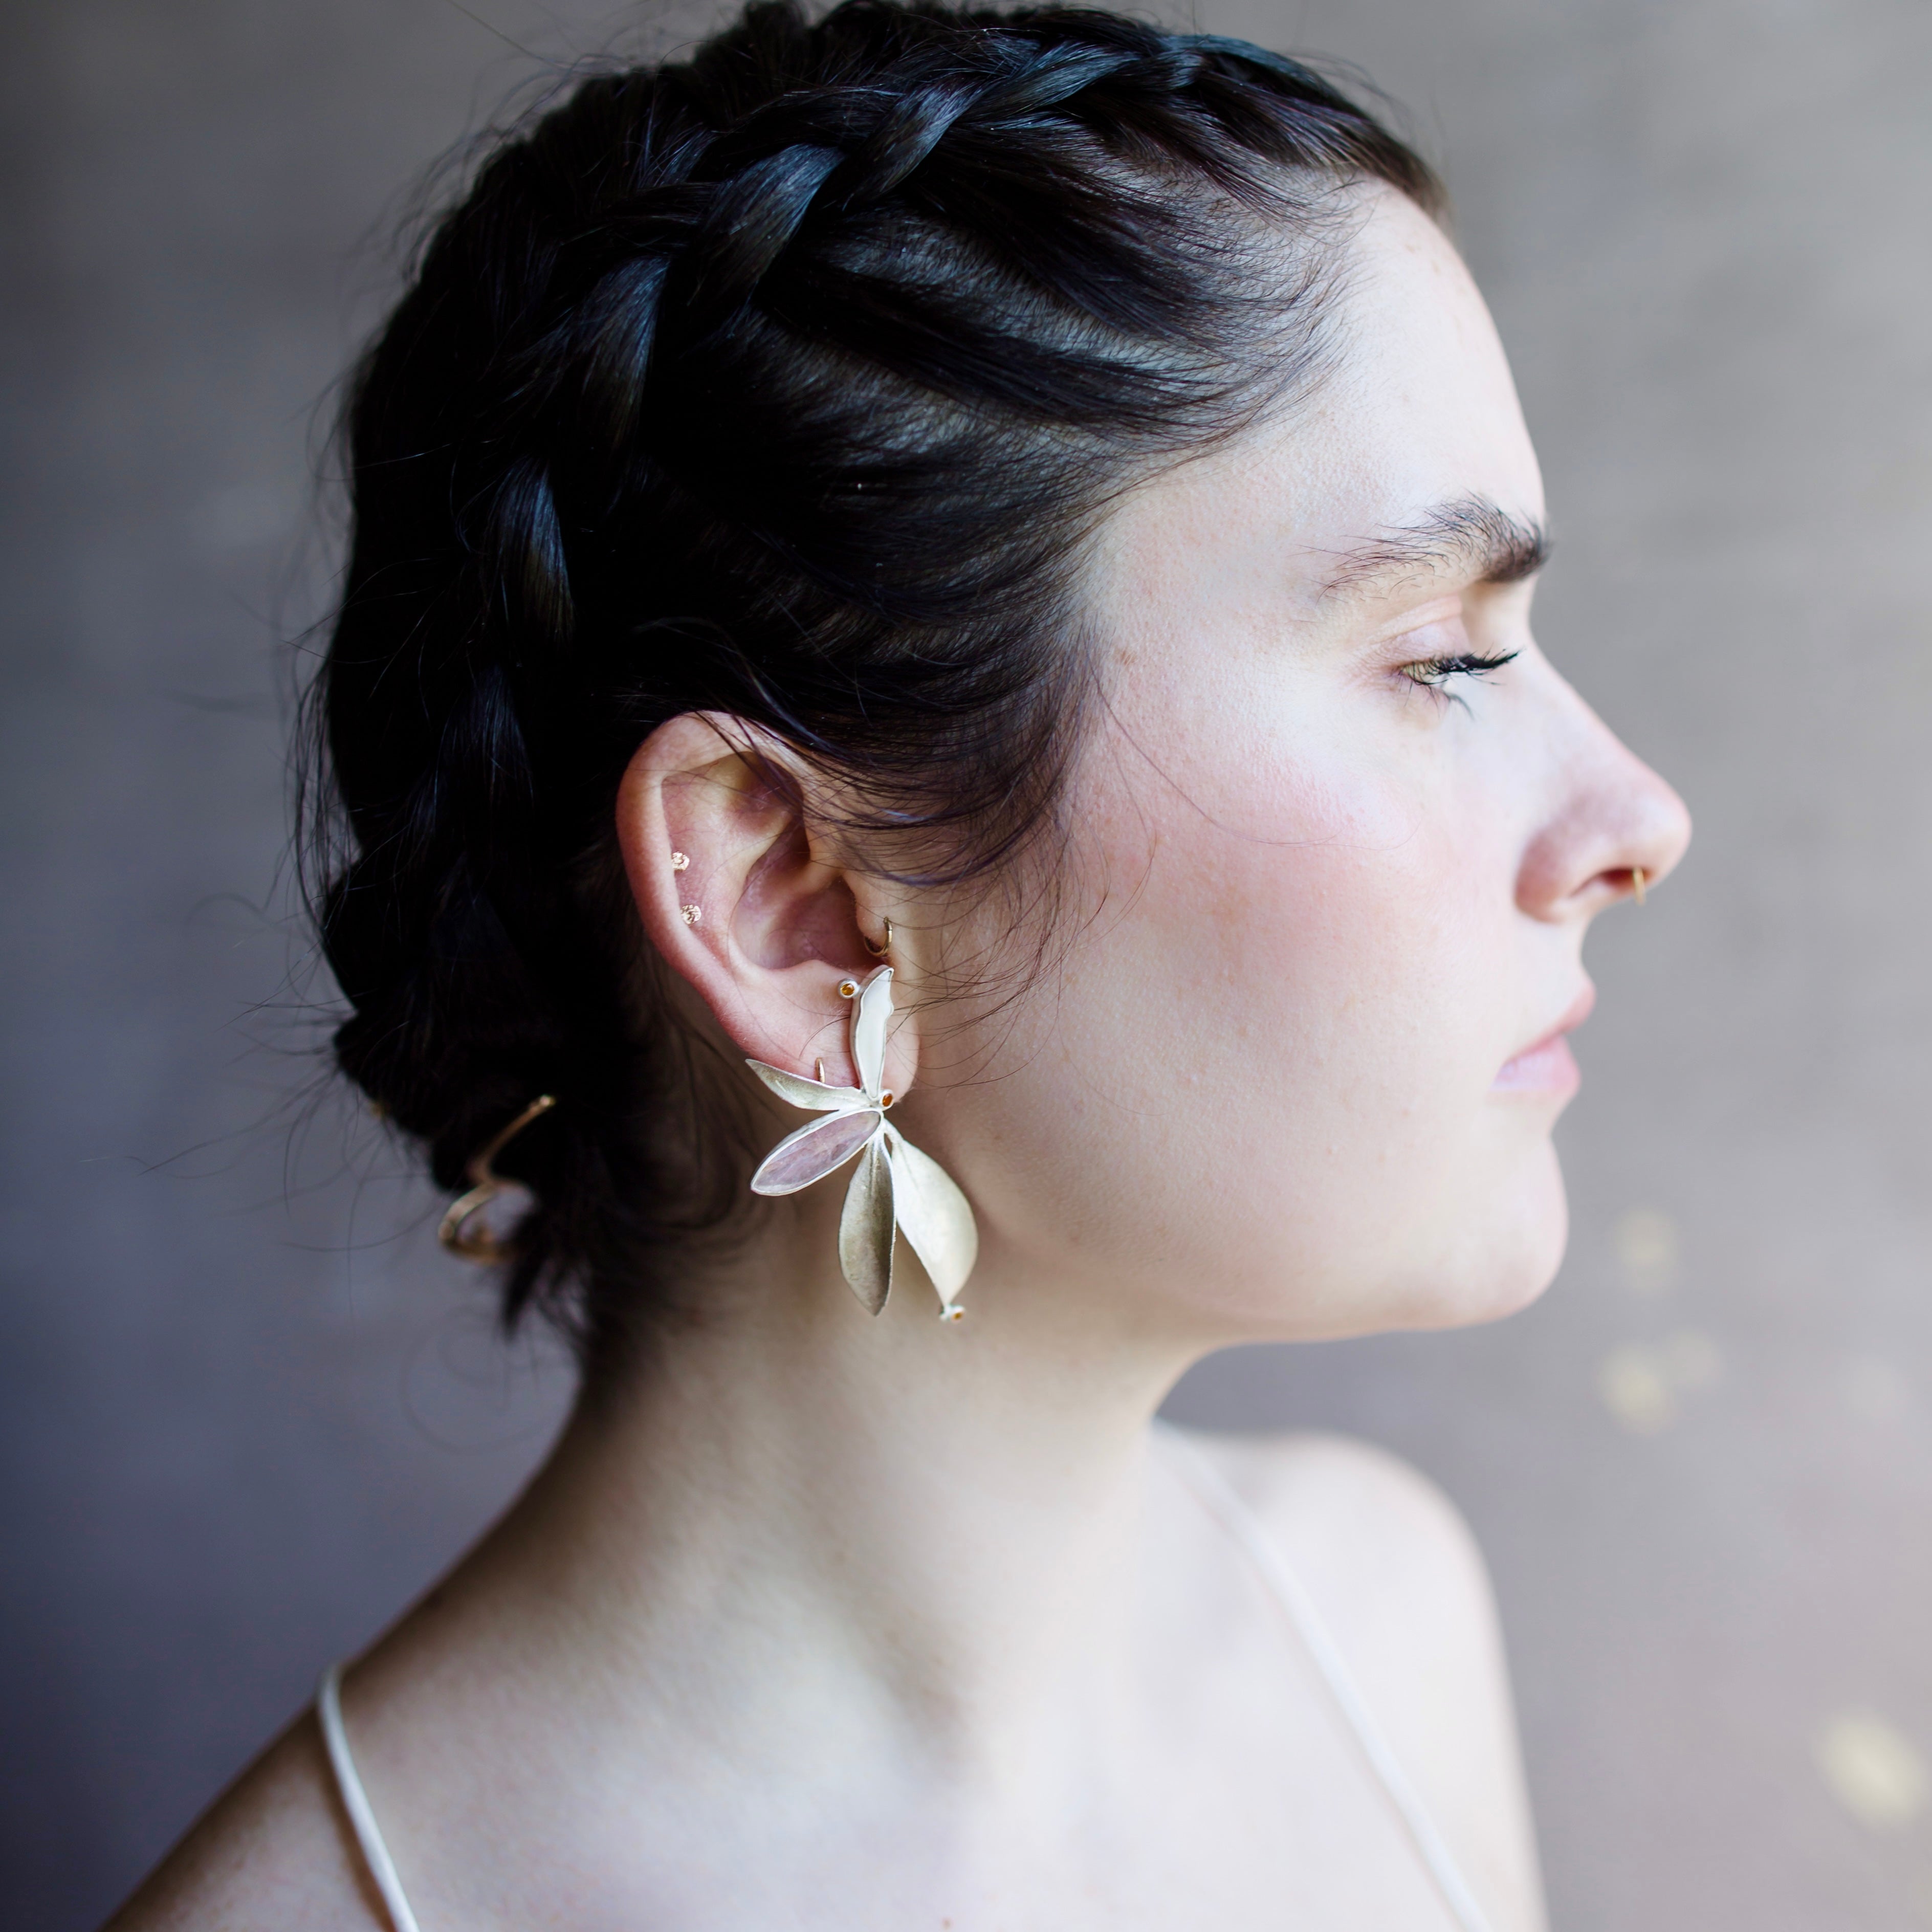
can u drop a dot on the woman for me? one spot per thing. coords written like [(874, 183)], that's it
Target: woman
[(980, 564)]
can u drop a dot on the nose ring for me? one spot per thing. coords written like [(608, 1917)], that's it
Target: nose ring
[(1637, 881)]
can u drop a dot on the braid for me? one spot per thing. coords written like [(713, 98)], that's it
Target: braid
[(785, 382)]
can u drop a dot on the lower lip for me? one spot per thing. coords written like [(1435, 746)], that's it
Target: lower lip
[(1550, 1068)]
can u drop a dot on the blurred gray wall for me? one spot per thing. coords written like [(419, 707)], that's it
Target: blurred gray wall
[(247, 1409)]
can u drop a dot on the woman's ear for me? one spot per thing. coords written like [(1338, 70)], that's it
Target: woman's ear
[(741, 899)]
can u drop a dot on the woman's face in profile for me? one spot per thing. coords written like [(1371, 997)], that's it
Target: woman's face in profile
[(1299, 1076)]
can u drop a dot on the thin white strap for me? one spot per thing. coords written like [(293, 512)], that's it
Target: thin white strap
[(355, 1802), (1213, 1490)]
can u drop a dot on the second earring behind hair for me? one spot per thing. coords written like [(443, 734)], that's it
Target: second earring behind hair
[(895, 1189)]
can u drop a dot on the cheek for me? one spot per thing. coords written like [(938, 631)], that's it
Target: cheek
[(1267, 1073)]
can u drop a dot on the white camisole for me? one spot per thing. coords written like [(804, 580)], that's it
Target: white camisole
[(1270, 1565)]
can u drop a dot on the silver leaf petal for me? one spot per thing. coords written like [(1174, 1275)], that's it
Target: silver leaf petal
[(866, 1229), (934, 1216), (815, 1150), (803, 1093), (874, 1009)]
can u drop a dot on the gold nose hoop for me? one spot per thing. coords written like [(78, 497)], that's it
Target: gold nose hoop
[(1639, 878)]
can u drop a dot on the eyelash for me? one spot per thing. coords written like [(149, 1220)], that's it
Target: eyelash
[(1432, 673)]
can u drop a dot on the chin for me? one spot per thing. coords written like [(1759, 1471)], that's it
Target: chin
[(1504, 1262), (1500, 1248)]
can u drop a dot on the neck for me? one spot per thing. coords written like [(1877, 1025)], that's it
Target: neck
[(934, 1526)]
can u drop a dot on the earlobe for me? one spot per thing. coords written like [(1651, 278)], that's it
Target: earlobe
[(712, 818)]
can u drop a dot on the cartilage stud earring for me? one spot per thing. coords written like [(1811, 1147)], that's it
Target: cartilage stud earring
[(692, 914), (680, 861)]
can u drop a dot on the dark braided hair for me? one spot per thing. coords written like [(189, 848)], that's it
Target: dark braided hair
[(784, 381)]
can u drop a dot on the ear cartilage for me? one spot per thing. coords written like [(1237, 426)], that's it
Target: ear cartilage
[(692, 914)]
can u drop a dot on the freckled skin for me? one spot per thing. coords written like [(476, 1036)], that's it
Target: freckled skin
[(1335, 901)]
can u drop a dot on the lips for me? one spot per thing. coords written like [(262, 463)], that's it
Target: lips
[(1548, 1067)]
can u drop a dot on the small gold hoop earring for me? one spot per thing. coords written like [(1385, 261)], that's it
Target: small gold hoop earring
[(1639, 878), (884, 946), (480, 1244)]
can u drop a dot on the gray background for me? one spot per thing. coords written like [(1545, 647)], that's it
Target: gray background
[(247, 1409)]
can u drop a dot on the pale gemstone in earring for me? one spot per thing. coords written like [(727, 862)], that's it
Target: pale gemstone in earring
[(692, 914), (680, 861)]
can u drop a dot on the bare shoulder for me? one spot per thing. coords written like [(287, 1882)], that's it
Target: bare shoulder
[(273, 1850), (1398, 1579), (1338, 1498)]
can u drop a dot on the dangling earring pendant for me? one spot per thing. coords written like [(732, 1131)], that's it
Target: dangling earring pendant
[(895, 1189)]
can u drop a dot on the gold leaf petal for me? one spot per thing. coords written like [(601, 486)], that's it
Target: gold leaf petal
[(866, 1229), (803, 1093), (873, 1010), (934, 1216), (813, 1151)]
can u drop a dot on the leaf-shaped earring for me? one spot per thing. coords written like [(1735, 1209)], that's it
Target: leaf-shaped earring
[(896, 1189)]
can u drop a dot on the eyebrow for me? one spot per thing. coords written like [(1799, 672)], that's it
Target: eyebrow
[(1470, 537)]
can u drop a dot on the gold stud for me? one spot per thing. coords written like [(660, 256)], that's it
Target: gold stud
[(680, 861), (692, 914)]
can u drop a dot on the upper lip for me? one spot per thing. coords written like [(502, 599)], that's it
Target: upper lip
[(1574, 1016)]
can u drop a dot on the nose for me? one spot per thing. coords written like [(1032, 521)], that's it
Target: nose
[(1607, 817)]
